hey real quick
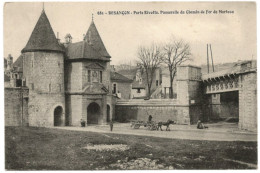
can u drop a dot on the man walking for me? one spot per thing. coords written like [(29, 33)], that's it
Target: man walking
[(111, 125)]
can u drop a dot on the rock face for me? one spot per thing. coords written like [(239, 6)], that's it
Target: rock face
[(138, 164)]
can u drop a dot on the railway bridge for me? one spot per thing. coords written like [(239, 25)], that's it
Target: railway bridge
[(232, 94)]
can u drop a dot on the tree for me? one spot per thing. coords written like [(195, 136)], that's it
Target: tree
[(175, 52), (149, 59)]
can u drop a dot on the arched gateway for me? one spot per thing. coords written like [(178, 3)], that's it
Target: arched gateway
[(93, 113), (58, 116)]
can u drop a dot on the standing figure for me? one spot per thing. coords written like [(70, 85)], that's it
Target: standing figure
[(111, 125), (200, 125), (150, 118)]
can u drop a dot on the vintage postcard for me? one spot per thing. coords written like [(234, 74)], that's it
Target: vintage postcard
[(130, 85)]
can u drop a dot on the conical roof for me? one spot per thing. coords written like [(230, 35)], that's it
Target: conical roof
[(94, 40), (42, 37)]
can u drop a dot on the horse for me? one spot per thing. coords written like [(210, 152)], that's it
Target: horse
[(167, 124)]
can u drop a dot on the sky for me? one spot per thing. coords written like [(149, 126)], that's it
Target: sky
[(232, 36)]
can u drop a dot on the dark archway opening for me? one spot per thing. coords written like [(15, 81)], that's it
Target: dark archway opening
[(223, 107), (93, 113), (108, 113), (58, 116)]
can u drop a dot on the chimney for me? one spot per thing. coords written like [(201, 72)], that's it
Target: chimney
[(68, 40)]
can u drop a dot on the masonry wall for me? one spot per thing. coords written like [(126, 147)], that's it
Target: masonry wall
[(73, 76), (189, 91), (179, 114), (16, 106), (135, 94), (88, 65), (77, 106), (111, 101), (248, 102), (73, 110), (44, 74), (124, 88), (187, 109), (100, 100)]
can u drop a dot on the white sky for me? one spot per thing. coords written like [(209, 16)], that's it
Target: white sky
[(232, 36)]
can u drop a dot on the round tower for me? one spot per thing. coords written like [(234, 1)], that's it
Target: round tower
[(43, 70)]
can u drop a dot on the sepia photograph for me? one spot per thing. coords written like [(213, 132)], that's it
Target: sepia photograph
[(130, 86)]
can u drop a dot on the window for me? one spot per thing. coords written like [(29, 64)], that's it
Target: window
[(138, 90), (32, 86), (157, 82), (114, 88), (89, 75), (49, 87), (59, 63), (100, 76), (32, 63)]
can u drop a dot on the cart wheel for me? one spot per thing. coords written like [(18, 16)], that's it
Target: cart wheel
[(136, 126)]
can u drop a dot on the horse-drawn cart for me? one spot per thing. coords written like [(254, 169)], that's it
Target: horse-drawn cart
[(151, 125), (137, 124)]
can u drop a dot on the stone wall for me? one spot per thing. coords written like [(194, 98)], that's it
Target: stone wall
[(73, 77), (189, 87), (77, 108), (111, 101), (16, 106), (77, 102), (177, 113), (73, 110), (95, 66), (135, 93), (248, 102), (44, 74), (124, 88), (41, 109), (187, 109)]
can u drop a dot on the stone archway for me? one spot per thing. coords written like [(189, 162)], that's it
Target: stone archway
[(58, 116), (93, 113), (108, 113)]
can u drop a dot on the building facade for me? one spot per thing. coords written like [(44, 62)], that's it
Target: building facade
[(68, 82)]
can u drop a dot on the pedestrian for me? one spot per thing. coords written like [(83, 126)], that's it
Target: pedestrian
[(82, 122), (111, 125), (200, 125), (150, 118)]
